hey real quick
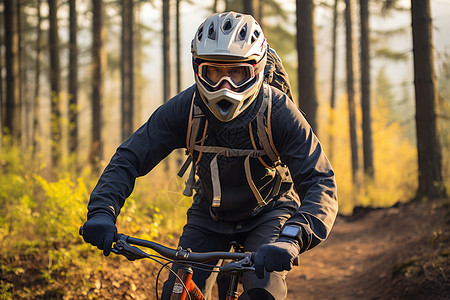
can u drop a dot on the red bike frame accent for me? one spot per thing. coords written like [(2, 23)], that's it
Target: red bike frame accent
[(179, 292)]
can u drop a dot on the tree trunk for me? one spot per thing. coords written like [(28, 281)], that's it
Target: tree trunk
[(55, 118), (127, 68), (428, 144), (2, 79), (35, 129), (369, 170), (166, 49), (138, 57), (351, 92), (333, 79), (248, 7), (11, 118), (98, 64), (307, 95), (178, 45), (260, 13), (214, 6), (73, 79), (23, 104)]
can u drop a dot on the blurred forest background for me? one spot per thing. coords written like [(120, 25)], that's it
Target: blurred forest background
[(78, 77)]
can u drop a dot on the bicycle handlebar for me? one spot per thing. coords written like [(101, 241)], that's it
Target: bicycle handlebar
[(122, 246), (180, 253)]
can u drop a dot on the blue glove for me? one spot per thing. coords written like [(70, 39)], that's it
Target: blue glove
[(100, 231), (276, 256)]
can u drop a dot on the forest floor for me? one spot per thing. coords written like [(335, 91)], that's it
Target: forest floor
[(395, 253), (400, 252)]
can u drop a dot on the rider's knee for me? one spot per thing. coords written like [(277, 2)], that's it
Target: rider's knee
[(256, 294), (272, 286)]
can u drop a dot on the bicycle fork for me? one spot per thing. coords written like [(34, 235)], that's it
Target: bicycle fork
[(232, 293)]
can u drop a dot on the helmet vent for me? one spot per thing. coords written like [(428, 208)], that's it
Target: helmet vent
[(255, 36), (211, 32), (227, 25), (224, 105), (243, 32), (200, 33)]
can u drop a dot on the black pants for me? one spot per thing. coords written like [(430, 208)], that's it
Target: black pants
[(201, 239)]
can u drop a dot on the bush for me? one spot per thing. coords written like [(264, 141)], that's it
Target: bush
[(39, 221), (394, 162)]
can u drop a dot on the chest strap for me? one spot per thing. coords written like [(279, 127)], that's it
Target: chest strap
[(227, 152)]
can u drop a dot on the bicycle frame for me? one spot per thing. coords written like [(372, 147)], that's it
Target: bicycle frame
[(179, 291)]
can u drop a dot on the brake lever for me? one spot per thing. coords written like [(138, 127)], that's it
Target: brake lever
[(130, 252), (244, 264)]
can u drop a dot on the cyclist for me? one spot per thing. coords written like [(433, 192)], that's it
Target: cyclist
[(279, 208)]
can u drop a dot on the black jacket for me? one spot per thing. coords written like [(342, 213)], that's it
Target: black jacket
[(310, 190)]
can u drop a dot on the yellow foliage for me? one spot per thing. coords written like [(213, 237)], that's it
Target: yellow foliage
[(63, 208), (159, 197), (444, 125), (394, 161)]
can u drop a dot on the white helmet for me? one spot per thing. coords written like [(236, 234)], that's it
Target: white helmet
[(233, 43)]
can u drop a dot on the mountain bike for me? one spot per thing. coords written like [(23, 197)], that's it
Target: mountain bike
[(185, 287)]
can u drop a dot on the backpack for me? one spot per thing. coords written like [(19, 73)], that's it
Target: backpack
[(274, 75)]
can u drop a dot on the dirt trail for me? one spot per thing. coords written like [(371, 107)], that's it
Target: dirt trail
[(357, 261), (359, 258), (394, 253)]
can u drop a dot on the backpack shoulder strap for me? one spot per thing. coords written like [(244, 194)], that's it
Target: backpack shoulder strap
[(265, 137), (190, 123), (264, 131), (189, 134), (195, 117)]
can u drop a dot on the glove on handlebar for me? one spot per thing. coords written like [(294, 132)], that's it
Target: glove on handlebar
[(100, 231), (276, 256)]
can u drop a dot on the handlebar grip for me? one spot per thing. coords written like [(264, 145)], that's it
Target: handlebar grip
[(116, 236)]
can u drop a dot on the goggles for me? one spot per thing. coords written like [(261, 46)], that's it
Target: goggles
[(237, 74)]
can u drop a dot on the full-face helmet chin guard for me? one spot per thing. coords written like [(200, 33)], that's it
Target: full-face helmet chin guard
[(229, 39)]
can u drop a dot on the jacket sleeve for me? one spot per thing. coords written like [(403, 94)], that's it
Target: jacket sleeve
[(164, 131), (310, 169)]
